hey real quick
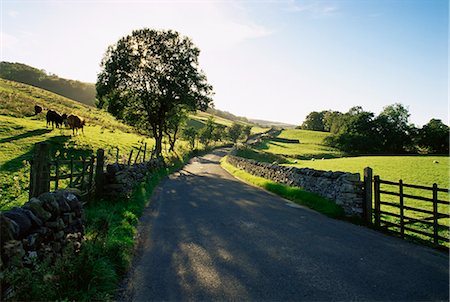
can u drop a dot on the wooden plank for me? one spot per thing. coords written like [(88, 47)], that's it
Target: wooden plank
[(129, 157), (414, 197), (56, 175), (91, 175), (137, 155), (145, 151), (429, 188), (386, 203)]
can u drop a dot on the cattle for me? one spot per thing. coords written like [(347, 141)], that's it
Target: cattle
[(37, 109), (75, 123), (54, 118)]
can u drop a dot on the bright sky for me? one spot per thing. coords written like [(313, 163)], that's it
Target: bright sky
[(273, 60)]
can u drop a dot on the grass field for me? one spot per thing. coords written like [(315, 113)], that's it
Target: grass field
[(19, 135), (416, 170), (311, 145)]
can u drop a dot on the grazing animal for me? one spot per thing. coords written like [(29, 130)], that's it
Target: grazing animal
[(75, 123), (54, 118), (37, 109)]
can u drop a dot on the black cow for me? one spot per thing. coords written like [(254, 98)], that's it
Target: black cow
[(54, 118), (37, 109)]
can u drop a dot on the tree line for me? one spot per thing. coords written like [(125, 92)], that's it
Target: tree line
[(75, 90), (390, 132)]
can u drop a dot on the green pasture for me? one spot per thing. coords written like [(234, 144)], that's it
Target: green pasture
[(311, 145), (412, 169), (19, 135)]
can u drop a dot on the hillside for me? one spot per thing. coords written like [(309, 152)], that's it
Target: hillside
[(75, 90)]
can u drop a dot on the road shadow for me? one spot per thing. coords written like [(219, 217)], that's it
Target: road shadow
[(214, 238)]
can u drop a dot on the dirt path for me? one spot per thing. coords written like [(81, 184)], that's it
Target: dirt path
[(208, 237)]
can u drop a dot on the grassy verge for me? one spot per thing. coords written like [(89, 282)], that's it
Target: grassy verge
[(107, 251), (105, 256), (295, 194)]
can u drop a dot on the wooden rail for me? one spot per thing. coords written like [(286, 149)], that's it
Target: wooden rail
[(402, 223)]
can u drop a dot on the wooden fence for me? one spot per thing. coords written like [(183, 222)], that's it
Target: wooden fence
[(409, 210), (85, 174)]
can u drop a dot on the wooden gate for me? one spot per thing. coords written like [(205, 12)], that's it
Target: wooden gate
[(415, 211)]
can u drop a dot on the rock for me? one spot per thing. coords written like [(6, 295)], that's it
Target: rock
[(13, 249), (33, 240), (36, 206), (73, 191), (9, 230), (49, 203), (35, 221), (19, 216)]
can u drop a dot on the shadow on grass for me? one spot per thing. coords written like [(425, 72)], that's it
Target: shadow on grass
[(36, 132), (59, 146)]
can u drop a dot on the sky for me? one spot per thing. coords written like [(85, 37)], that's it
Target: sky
[(272, 60)]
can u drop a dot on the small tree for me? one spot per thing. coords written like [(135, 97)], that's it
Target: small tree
[(235, 132), (246, 131), (206, 133), (190, 134)]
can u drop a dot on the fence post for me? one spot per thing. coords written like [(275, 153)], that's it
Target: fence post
[(91, 176), (435, 214), (40, 171), (367, 206), (376, 191), (145, 150), (99, 177), (129, 157), (402, 212)]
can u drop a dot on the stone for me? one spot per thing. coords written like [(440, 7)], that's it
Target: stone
[(35, 221), (9, 230), (13, 249), (36, 206), (19, 216), (49, 203)]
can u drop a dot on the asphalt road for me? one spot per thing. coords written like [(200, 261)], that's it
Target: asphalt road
[(207, 236)]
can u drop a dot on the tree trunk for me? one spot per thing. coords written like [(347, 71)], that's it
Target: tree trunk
[(158, 141)]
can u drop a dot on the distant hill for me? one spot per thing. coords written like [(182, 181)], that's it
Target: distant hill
[(227, 115), (268, 124), (75, 90)]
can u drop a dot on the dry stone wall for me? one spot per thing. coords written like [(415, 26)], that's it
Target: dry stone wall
[(345, 189), (41, 228), (120, 179)]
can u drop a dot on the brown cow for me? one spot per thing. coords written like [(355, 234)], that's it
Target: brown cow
[(75, 123)]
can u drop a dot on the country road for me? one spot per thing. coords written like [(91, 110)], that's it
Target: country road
[(207, 236)]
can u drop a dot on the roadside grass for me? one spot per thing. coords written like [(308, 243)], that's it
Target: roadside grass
[(95, 272), (295, 194)]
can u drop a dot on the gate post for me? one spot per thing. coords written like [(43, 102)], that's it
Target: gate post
[(99, 176), (367, 206), (40, 171)]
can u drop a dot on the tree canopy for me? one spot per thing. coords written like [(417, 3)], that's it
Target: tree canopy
[(149, 77)]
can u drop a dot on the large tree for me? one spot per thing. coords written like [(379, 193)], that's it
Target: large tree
[(150, 76), (434, 136)]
